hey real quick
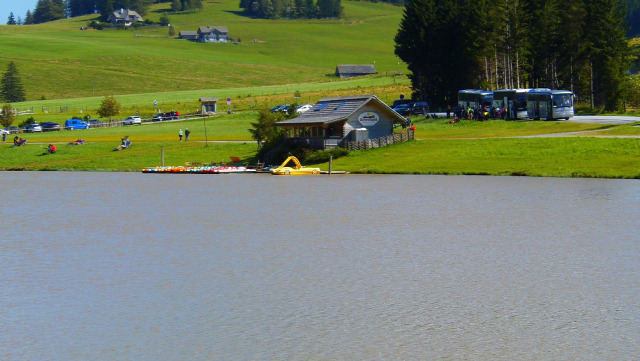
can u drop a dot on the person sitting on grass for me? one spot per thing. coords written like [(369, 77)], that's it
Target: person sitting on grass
[(77, 142), (18, 142), (125, 143), (51, 148)]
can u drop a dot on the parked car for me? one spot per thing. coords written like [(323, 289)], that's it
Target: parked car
[(403, 109), (72, 124), (95, 123), (303, 108), (419, 108), (134, 119), (280, 108), (166, 116), (50, 126), (13, 129), (32, 128), (400, 101)]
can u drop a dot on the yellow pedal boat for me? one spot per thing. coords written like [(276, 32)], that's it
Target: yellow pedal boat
[(297, 170)]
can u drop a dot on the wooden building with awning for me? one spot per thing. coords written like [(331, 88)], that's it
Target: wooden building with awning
[(332, 122)]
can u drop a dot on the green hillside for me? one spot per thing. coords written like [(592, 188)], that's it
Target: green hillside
[(58, 60)]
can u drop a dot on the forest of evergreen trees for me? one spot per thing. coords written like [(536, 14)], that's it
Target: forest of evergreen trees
[(579, 45), (298, 9)]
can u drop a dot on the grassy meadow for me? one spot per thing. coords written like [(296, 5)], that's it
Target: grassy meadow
[(486, 148), (58, 60)]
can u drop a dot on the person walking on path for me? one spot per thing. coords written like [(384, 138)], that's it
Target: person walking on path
[(180, 134), (186, 134)]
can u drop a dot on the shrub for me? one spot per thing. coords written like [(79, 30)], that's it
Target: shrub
[(322, 156), (30, 120)]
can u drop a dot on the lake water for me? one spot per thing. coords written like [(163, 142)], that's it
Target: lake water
[(132, 266)]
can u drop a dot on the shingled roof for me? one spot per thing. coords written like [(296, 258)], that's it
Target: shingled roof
[(210, 29), (331, 110), (125, 15), (350, 70)]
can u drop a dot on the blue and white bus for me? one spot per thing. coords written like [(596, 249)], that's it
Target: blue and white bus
[(513, 100), (549, 104)]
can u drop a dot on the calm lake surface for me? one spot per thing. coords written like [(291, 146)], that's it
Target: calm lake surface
[(132, 266)]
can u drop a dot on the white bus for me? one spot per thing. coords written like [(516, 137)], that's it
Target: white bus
[(549, 104), (474, 98), (514, 101)]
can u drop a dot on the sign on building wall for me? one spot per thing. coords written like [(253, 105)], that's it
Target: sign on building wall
[(368, 119)]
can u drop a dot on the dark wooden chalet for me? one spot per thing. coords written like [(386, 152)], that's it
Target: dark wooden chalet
[(188, 35), (332, 122), (350, 70), (125, 17), (213, 34)]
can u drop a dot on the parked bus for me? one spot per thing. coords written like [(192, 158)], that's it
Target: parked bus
[(474, 98), (549, 104), (513, 100)]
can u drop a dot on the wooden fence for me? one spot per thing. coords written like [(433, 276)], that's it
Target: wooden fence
[(403, 136)]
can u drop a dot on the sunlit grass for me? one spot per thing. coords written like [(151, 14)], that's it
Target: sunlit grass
[(540, 157), (489, 148), (58, 60)]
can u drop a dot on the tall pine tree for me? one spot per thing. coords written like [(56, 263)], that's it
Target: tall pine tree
[(12, 90), (11, 20), (436, 41), (28, 19), (608, 53)]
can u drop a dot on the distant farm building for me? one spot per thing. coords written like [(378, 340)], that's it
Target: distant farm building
[(352, 122), (124, 17), (213, 34), (208, 105), (206, 34), (188, 35), (350, 70)]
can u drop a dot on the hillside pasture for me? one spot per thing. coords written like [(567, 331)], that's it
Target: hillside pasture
[(58, 60)]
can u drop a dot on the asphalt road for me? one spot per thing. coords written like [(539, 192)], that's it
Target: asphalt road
[(604, 119)]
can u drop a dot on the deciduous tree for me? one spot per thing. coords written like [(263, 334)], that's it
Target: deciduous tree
[(109, 107), (264, 131), (6, 116)]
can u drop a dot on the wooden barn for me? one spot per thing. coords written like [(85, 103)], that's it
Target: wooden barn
[(351, 70), (335, 122), (188, 35)]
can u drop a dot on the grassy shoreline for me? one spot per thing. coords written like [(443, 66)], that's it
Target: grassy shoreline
[(495, 148)]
